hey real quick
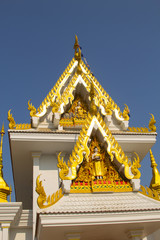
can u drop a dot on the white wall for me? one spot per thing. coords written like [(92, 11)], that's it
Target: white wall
[(20, 234), (49, 173)]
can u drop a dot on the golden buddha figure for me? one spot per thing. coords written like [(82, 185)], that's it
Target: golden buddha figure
[(98, 168), (79, 111)]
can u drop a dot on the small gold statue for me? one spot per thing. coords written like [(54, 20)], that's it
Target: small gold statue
[(79, 111), (98, 169)]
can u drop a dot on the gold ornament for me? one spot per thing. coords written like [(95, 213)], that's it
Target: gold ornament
[(113, 149), (137, 129), (135, 166), (98, 174), (43, 201), (152, 122), (93, 108), (151, 128), (150, 193), (75, 115), (63, 166), (126, 113), (55, 106), (12, 123), (5, 190), (76, 47), (155, 182), (109, 108), (32, 109)]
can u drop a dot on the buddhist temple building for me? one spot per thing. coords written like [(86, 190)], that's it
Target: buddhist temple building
[(76, 167)]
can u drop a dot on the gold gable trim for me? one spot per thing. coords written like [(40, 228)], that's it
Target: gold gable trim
[(150, 193), (101, 98), (55, 91), (13, 125), (98, 173), (81, 147), (151, 127), (102, 94)]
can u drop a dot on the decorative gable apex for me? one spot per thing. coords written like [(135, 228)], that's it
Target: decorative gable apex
[(77, 78)]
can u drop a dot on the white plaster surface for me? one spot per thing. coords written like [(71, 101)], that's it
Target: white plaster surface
[(49, 173), (20, 234)]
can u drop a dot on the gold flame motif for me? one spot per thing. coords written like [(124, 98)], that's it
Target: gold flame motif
[(43, 201)]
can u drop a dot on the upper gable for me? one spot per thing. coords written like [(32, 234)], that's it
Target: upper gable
[(77, 80)]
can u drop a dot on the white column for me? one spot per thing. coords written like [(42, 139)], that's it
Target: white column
[(4, 231), (35, 157), (135, 234)]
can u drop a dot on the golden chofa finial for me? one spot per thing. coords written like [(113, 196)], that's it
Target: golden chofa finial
[(76, 46), (77, 55), (155, 182), (93, 108), (4, 188)]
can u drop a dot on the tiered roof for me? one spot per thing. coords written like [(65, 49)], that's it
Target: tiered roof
[(103, 117)]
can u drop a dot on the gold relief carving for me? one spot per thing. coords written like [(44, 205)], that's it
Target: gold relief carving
[(100, 96), (98, 174), (13, 125), (113, 149), (77, 155), (101, 92), (55, 106), (32, 109), (75, 115), (43, 201), (152, 122), (55, 91), (150, 193), (125, 113)]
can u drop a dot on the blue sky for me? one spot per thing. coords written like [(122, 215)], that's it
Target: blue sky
[(120, 40)]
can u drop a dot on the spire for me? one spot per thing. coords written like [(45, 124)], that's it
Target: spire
[(155, 182), (1, 165), (4, 189), (77, 54), (93, 108), (76, 46)]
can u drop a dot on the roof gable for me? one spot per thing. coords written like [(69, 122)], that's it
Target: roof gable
[(95, 124)]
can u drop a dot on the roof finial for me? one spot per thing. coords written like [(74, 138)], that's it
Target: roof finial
[(4, 188), (155, 182), (93, 108), (76, 46), (77, 54)]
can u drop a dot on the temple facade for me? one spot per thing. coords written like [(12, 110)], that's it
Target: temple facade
[(76, 167)]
